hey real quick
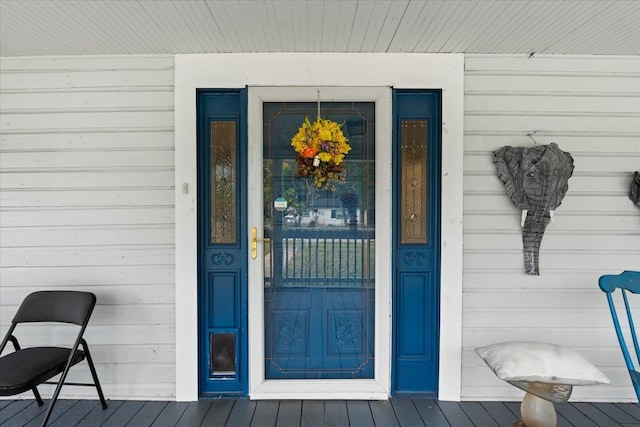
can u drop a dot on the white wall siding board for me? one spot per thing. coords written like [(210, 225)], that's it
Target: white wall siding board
[(87, 203), (97, 255), (129, 293), (119, 314), (95, 100), (55, 80), (98, 215), (84, 140), (83, 197), (590, 107), (104, 234), (495, 202)]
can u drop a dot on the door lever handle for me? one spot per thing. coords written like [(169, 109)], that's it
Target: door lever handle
[(254, 243)]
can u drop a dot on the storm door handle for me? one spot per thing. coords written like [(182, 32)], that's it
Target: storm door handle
[(254, 243)]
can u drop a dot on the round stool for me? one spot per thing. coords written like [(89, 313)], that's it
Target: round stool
[(546, 372)]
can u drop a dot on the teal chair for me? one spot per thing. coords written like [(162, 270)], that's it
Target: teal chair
[(627, 281)]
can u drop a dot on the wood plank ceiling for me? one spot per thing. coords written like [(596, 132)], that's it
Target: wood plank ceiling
[(101, 27)]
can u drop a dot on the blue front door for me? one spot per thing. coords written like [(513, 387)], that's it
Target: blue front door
[(319, 246), (222, 241)]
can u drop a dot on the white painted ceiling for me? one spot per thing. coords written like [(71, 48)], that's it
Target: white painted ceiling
[(103, 27)]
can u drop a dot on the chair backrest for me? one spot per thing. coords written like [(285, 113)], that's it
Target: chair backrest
[(627, 281), (56, 306)]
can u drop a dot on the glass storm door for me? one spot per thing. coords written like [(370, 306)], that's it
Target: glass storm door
[(319, 280), (319, 249)]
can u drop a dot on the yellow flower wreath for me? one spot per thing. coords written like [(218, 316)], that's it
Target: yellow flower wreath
[(322, 140)]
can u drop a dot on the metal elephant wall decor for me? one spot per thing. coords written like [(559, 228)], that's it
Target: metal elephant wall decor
[(536, 180), (634, 191)]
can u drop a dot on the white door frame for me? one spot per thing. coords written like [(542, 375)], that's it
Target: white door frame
[(398, 70), (379, 387)]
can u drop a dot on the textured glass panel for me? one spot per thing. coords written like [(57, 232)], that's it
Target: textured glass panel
[(223, 354), (223, 182), (414, 185)]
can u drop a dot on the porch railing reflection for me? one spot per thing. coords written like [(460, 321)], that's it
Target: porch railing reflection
[(320, 257)]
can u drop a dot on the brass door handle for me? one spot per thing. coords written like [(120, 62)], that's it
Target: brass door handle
[(254, 243)]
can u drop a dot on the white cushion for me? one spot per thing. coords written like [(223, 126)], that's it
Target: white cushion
[(541, 362)]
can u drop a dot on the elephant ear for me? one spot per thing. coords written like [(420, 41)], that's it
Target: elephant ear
[(563, 167), (508, 162), (634, 191)]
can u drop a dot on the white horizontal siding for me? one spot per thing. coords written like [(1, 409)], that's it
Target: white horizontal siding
[(87, 202), (590, 107)]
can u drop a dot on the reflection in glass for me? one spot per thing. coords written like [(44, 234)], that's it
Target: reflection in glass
[(414, 197), (223, 182), (223, 354)]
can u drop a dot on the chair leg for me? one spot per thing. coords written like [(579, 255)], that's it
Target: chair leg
[(636, 383), (63, 378), (94, 374), (37, 395), (54, 399)]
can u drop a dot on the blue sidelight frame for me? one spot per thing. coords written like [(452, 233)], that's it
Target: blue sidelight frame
[(416, 267), (222, 268)]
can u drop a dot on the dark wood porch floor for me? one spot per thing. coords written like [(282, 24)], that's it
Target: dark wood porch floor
[(401, 412)]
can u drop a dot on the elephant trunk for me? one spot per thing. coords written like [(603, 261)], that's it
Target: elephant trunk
[(532, 232)]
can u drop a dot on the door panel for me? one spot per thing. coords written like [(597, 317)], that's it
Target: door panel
[(416, 289), (222, 259), (319, 282)]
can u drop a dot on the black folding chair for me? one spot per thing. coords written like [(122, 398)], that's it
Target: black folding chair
[(26, 368)]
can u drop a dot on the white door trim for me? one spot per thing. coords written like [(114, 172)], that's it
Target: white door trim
[(379, 387), (398, 70)]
